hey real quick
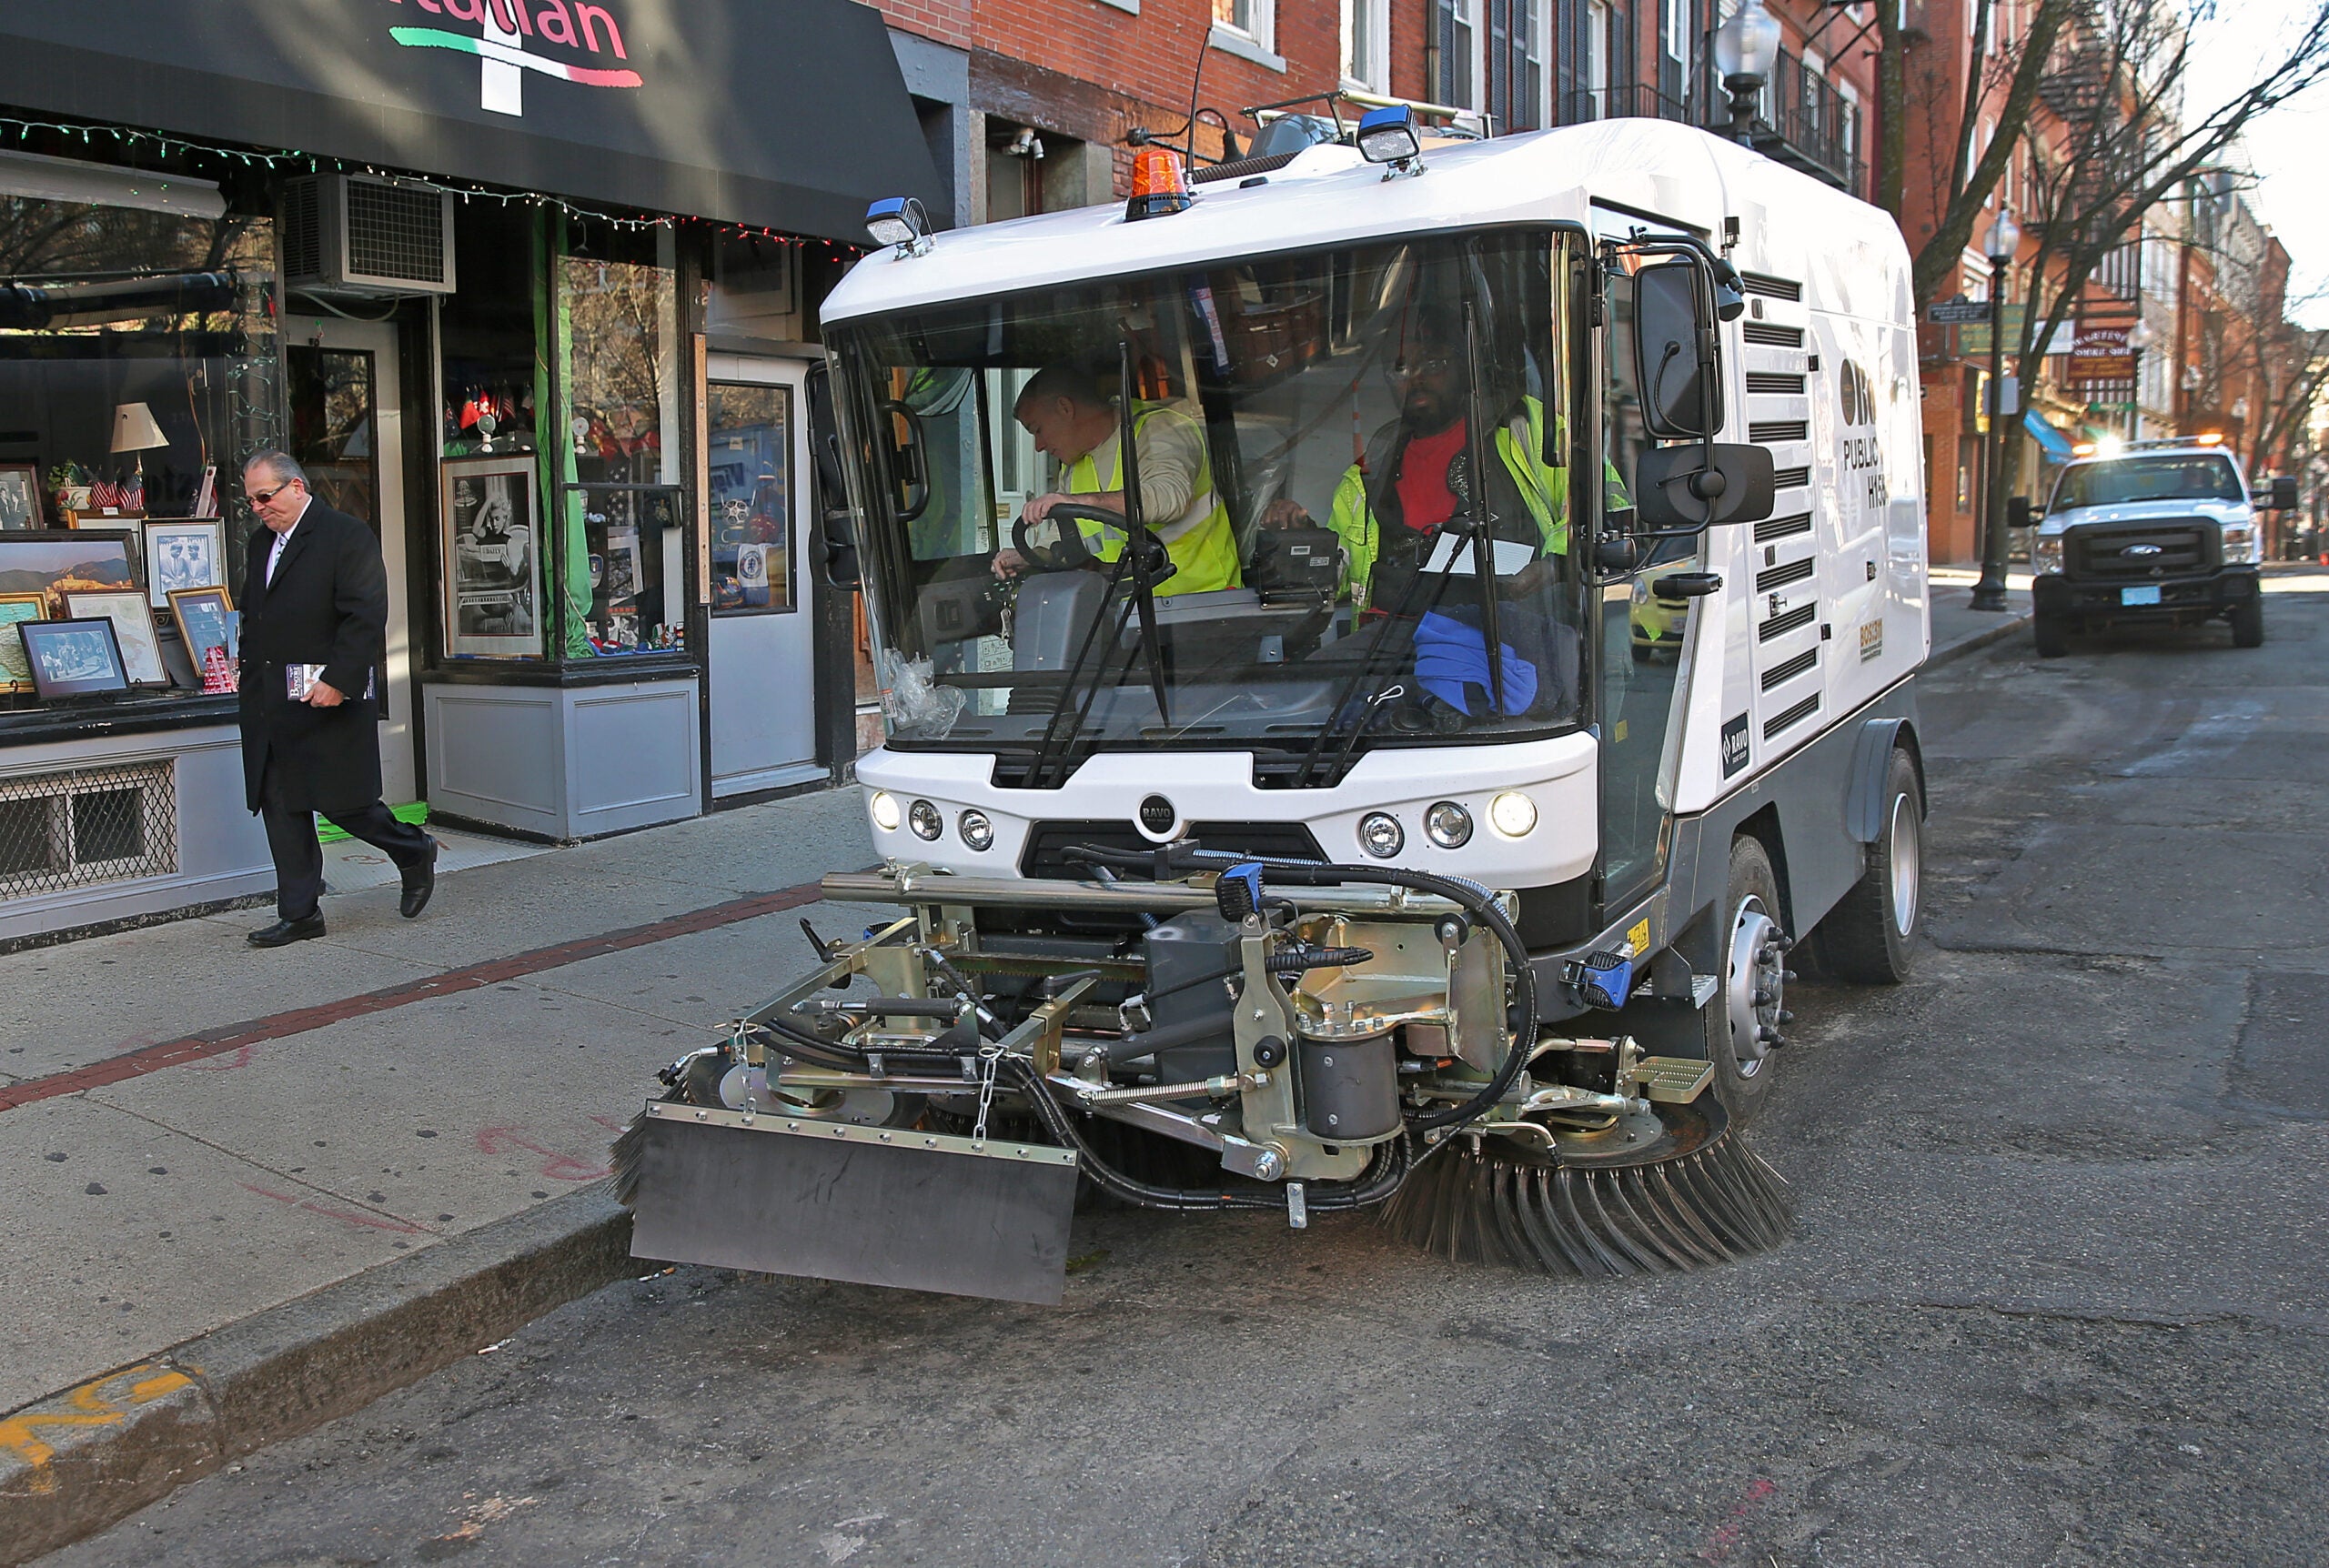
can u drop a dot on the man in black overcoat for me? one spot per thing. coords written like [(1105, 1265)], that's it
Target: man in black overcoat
[(315, 593)]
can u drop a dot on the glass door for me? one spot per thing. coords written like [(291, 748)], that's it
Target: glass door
[(764, 643), (343, 399)]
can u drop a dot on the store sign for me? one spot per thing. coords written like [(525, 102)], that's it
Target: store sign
[(506, 26), (788, 114), (2101, 353)]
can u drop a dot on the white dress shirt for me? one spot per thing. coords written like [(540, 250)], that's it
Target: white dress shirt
[(284, 539)]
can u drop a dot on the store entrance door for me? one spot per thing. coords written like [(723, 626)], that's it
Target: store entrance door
[(347, 433), (764, 643)]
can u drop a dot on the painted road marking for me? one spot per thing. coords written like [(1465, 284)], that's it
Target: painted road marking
[(102, 1402), (140, 1061)]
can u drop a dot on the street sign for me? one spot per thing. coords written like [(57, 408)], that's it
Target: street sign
[(1957, 312), (2101, 354), (1973, 336)]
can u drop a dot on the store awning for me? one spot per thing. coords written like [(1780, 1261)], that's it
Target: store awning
[(2056, 445), (787, 114)]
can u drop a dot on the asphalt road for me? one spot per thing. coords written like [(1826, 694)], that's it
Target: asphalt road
[(2057, 1297)]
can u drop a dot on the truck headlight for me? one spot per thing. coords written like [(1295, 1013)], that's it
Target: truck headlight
[(2240, 542), (2046, 553)]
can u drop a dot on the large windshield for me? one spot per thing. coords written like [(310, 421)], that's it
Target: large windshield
[(2182, 477), (1350, 525)]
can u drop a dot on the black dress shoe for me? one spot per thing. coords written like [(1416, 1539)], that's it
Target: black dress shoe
[(420, 881), (286, 931)]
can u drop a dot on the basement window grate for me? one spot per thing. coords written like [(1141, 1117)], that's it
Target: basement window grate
[(69, 829)]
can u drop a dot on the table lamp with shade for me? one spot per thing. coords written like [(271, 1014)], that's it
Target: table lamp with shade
[(134, 429)]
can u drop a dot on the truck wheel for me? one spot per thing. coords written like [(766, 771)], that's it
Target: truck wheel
[(1865, 937), (1743, 1022), (2248, 623), (2048, 634)]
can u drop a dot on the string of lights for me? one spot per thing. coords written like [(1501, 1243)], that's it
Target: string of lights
[(131, 137)]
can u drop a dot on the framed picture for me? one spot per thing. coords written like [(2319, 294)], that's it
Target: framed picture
[(51, 561), (138, 643), (206, 621), (74, 658), (15, 675), (19, 496), (103, 517), (183, 553), (493, 564)]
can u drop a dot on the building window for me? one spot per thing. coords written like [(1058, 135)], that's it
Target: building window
[(1455, 36), (1257, 19), (1366, 45), (1516, 64)]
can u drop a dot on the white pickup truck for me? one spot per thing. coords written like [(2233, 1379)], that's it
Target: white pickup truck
[(2163, 531)]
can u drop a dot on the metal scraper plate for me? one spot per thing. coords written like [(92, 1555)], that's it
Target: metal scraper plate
[(876, 1206)]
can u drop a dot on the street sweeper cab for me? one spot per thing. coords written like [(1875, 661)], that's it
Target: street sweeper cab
[(1384, 663)]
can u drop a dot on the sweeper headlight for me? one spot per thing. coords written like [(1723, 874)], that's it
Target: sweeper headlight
[(899, 221), (978, 831), (1380, 835), (1387, 135), (884, 806), (1447, 825), (923, 819), (1513, 814)]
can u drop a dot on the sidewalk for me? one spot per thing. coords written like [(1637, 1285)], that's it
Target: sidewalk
[(253, 1189), (1959, 630)]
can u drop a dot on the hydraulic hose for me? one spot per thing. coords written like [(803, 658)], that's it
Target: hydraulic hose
[(1474, 898)]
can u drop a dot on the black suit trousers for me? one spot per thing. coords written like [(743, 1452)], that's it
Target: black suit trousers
[(300, 857)]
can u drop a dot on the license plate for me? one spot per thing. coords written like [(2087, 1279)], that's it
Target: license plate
[(2148, 595)]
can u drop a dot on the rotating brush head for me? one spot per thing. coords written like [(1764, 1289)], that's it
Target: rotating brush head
[(1486, 1201)]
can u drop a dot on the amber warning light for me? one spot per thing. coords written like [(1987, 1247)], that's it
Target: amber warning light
[(1158, 185)]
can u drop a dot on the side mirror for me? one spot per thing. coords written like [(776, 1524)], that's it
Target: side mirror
[(2017, 511), (1682, 395), (1674, 488), (837, 559), (2284, 499)]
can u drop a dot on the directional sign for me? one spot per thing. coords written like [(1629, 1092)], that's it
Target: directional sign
[(1956, 312)]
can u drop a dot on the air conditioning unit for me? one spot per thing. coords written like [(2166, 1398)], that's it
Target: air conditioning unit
[(352, 235)]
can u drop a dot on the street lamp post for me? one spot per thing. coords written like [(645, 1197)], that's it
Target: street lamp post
[(2004, 240), (1745, 47), (2140, 336)]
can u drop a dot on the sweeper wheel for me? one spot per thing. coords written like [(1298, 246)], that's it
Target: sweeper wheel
[(1688, 1194)]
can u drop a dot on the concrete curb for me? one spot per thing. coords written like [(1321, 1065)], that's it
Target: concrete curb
[(2010, 624), (88, 1457)]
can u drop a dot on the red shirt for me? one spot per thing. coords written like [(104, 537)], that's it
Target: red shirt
[(1425, 499)]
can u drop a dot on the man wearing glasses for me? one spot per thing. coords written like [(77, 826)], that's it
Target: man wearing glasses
[(314, 606)]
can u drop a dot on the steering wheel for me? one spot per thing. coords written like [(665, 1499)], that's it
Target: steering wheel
[(1055, 544)]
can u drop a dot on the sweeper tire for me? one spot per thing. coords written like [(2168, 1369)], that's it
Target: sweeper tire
[(1866, 937), (1735, 1021)]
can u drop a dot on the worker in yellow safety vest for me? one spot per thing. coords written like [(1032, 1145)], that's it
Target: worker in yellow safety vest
[(1072, 422), (1416, 476)]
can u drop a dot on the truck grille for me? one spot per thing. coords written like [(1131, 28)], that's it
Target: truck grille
[(2140, 550), (1047, 842)]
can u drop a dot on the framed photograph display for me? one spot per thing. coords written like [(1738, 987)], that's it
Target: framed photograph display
[(183, 553), (19, 496), (206, 625), (74, 658), (51, 561), (15, 675), (135, 634), (492, 532)]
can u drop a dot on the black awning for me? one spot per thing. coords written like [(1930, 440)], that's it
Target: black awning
[(789, 114)]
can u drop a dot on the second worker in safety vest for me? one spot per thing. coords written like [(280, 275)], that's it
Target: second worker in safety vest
[(1075, 425)]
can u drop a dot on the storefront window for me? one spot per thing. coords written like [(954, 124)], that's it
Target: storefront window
[(749, 440), (138, 367), (618, 333)]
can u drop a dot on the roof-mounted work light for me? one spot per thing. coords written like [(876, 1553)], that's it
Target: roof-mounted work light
[(1159, 185), (899, 221), (1387, 135)]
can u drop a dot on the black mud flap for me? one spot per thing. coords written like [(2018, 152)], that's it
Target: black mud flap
[(875, 1206)]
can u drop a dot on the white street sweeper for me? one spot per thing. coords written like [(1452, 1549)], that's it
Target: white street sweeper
[(1387, 655)]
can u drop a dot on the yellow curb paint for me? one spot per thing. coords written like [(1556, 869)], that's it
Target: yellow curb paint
[(102, 1402)]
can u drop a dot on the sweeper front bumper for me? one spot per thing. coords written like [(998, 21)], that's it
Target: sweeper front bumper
[(1185, 1031)]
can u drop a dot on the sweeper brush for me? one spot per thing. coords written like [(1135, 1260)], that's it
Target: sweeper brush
[(1698, 1197)]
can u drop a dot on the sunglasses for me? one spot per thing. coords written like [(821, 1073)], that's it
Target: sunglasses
[(261, 498), (1411, 370)]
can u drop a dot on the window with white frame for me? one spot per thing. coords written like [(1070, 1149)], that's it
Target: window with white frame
[(1257, 19), (1455, 37), (1366, 45)]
